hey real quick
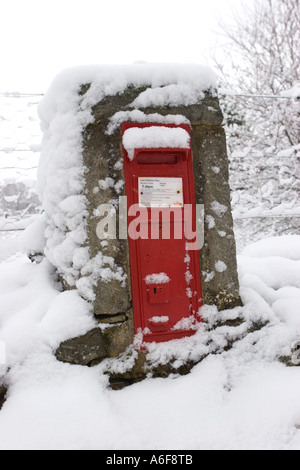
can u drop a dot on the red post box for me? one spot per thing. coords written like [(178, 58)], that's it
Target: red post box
[(165, 271)]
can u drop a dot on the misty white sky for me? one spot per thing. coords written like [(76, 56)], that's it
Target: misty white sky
[(39, 38)]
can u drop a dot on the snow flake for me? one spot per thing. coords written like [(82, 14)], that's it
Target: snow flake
[(218, 208), (220, 266)]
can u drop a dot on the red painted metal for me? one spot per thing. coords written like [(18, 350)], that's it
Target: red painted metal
[(162, 310)]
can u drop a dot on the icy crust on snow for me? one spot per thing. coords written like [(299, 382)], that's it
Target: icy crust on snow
[(65, 111), (155, 137)]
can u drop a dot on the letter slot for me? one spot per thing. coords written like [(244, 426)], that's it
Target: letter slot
[(158, 293)]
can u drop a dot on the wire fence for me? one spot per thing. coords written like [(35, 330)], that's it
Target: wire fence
[(20, 135), (20, 143)]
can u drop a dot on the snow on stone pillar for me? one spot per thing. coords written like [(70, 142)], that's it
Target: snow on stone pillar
[(81, 170)]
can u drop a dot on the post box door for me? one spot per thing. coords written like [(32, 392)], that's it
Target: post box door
[(165, 275), (164, 287)]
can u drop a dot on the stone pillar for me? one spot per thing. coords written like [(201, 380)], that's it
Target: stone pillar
[(104, 184), (103, 159)]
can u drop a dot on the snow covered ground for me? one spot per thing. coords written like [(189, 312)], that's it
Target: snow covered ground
[(243, 398)]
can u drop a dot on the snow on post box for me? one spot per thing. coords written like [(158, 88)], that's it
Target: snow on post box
[(165, 271)]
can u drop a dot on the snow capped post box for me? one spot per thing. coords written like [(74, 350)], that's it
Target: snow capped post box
[(151, 133), (165, 273)]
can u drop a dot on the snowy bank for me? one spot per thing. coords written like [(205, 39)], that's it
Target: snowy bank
[(240, 398)]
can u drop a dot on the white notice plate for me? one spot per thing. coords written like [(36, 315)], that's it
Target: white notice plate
[(160, 192)]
